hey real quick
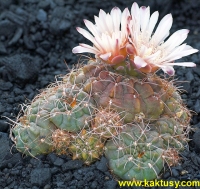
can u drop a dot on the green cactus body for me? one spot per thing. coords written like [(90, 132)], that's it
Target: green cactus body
[(139, 151), (33, 135), (75, 110), (135, 154), (86, 146), (172, 132), (176, 109), (59, 107)]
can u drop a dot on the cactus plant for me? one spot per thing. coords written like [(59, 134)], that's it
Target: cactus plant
[(63, 107), (116, 104), (141, 150)]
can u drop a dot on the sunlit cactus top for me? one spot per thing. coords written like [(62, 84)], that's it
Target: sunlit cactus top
[(132, 36)]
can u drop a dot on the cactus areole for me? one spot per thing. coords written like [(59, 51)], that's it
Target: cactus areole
[(115, 105)]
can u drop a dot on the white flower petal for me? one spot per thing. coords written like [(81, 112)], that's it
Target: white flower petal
[(105, 56), (124, 21), (179, 54), (106, 36), (80, 49), (175, 39), (135, 12), (100, 44), (102, 14), (104, 20), (89, 47), (143, 50), (144, 15), (100, 24), (152, 50), (106, 42), (91, 27), (152, 57), (186, 64), (169, 70), (116, 45), (139, 62), (86, 34), (116, 17), (162, 30), (133, 32), (109, 23), (152, 22)]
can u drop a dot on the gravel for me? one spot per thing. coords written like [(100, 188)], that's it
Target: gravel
[(36, 39)]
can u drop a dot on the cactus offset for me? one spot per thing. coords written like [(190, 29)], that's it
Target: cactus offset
[(59, 107), (33, 141), (140, 150), (86, 146), (61, 140)]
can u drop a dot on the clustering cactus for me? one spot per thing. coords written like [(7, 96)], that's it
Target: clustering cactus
[(112, 106), (95, 109)]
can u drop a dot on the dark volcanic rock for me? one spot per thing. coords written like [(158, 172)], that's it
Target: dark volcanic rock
[(58, 161), (2, 108), (189, 75), (197, 106), (7, 28), (59, 12), (41, 51), (16, 18), (16, 36), (3, 125), (21, 68), (5, 86), (3, 50), (42, 15), (102, 165), (4, 147), (10, 159), (40, 176), (70, 165), (196, 139), (197, 70), (6, 4), (5, 154), (61, 21), (44, 4), (59, 26), (28, 42), (110, 184)]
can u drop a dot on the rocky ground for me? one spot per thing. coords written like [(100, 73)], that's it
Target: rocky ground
[(36, 39)]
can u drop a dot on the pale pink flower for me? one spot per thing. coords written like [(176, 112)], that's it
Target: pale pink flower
[(147, 49), (109, 36)]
